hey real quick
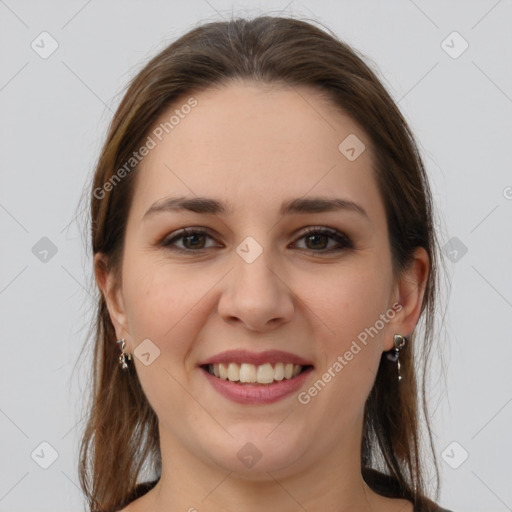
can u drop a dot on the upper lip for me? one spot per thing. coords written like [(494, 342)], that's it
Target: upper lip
[(256, 358)]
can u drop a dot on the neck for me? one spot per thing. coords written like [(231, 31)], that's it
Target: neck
[(193, 484)]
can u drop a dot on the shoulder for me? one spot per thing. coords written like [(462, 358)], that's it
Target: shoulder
[(135, 506), (137, 501), (432, 507), (131, 507), (388, 486)]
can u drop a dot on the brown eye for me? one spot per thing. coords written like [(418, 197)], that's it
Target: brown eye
[(317, 240), (192, 241)]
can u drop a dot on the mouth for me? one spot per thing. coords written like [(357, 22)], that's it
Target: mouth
[(252, 374), (256, 378)]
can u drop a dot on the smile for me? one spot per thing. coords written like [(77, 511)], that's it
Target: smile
[(247, 377), (250, 373), (257, 393)]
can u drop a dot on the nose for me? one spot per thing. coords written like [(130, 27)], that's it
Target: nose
[(256, 295)]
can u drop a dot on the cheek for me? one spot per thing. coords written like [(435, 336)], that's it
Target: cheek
[(351, 299), (350, 305), (159, 301), (162, 306)]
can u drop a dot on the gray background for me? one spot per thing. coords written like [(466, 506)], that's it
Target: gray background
[(54, 115)]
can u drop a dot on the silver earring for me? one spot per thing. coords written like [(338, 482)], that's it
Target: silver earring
[(124, 356), (394, 356)]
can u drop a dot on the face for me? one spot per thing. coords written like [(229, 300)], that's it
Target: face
[(311, 285)]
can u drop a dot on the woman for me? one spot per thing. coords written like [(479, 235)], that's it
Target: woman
[(264, 245)]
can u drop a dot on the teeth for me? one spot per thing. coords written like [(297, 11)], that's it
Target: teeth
[(265, 373), (262, 374), (223, 371), (247, 372), (279, 371), (233, 372)]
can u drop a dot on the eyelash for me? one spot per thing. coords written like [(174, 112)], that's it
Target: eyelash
[(339, 237)]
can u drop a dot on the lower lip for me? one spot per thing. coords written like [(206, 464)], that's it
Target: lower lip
[(257, 393)]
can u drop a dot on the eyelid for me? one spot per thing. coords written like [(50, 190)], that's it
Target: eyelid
[(339, 236), (182, 233), (343, 240)]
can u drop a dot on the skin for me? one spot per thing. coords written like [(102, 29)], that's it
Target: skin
[(257, 147)]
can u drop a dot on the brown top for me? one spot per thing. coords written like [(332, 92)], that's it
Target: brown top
[(380, 483), (389, 487)]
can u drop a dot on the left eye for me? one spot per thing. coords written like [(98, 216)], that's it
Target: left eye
[(194, 240), (319, 234)]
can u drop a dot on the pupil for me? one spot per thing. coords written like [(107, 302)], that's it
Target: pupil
[(192, 236), (315, 236)]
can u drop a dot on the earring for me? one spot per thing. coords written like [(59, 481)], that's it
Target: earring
[(124, 356), (399, 345)]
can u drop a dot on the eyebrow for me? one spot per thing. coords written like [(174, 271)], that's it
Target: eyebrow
[(206, 205)]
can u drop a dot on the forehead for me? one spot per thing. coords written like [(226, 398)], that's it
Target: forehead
[(247, 144)]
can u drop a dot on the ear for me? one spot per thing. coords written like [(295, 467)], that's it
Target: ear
[(112, 291), (409, 291)]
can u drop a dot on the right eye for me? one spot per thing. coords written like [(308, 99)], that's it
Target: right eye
[(193, 240)]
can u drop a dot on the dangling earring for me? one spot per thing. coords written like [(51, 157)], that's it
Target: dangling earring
[(399, 345), (124, 356)]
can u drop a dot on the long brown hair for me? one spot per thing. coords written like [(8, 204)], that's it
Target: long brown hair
[(121, 439)]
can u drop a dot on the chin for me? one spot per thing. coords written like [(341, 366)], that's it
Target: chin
[(254, 452)]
